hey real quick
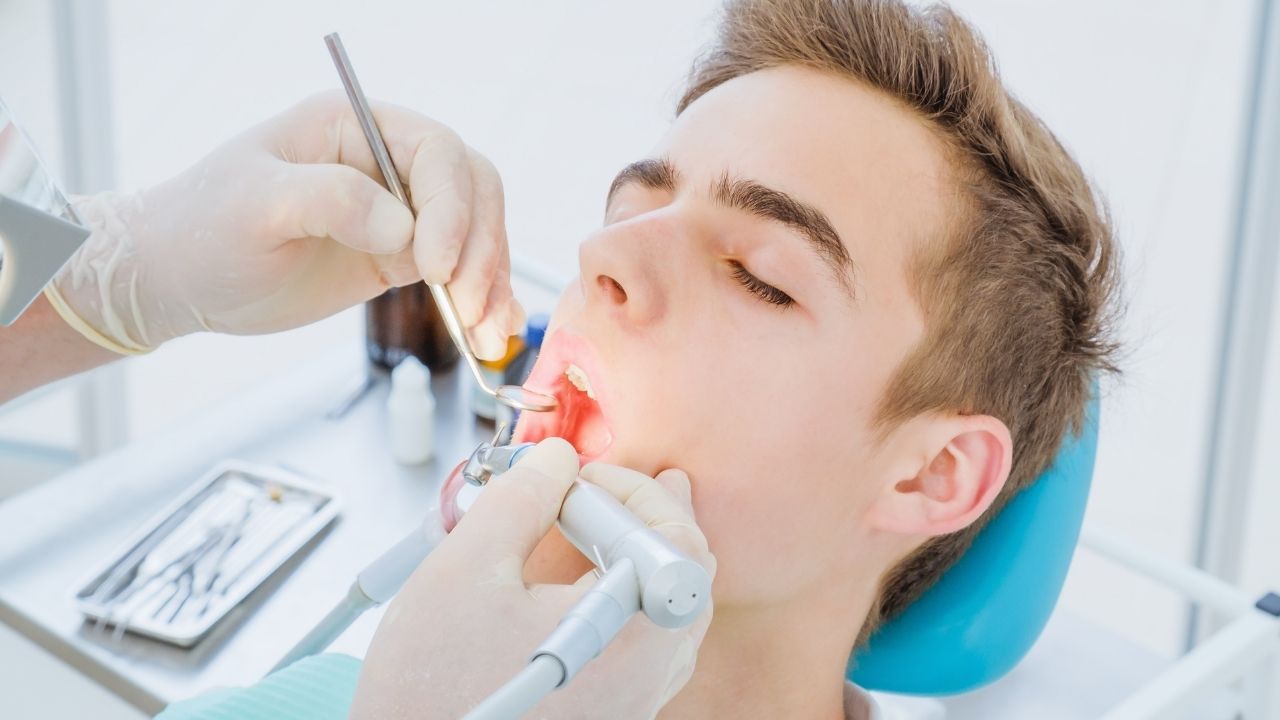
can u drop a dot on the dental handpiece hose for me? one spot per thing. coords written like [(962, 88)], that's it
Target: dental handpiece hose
[(643, 568), (642, 571), (375, 585), (583, 633)]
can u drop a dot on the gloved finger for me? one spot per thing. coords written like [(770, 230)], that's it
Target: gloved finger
[(323, 129), (516, 316), (485, 247), (491, 334), (653, 501), (335, 201), (677, 483), (399, 269), (664, 506), (515, 511), (429, 157), (441, 188), (503, 310)]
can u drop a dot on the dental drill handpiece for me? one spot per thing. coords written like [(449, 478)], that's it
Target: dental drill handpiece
[(641, 571), (674, 589)]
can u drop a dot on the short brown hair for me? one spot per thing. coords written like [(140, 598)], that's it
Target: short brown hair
[(1018, 299)]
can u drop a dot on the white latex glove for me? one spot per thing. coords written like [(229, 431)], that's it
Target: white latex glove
[(466, 622), (285, 225)]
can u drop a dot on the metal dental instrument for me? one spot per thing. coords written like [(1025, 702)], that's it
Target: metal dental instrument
[(491, 458), (512, 396)]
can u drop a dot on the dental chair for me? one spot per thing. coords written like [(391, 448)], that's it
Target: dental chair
[(979, 620), (968, 630)]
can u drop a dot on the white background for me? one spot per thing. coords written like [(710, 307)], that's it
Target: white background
[(560, 94)]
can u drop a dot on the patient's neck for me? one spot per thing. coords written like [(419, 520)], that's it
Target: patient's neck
[(783, 660), (778, 661)]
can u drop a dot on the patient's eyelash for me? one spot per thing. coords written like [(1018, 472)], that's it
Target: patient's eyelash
[(758, 287)]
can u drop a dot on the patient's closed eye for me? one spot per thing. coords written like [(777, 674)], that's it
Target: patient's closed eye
[(758, 287)]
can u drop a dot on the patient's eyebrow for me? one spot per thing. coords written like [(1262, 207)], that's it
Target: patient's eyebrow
[(752, 197), (657, 174)]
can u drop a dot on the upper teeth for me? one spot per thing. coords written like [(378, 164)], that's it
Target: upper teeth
[(580, 380)]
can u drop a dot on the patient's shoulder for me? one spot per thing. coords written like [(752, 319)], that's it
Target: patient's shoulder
[(858, 705)]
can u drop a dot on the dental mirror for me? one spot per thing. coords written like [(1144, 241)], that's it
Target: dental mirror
[(512, 396), (522, 398)]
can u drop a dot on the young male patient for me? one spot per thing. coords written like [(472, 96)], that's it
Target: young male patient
[(858, 293)]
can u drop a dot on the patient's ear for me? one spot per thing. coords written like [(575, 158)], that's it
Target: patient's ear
[(948, 471)]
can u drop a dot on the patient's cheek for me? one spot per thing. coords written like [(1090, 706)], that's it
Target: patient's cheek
[(555, 560)]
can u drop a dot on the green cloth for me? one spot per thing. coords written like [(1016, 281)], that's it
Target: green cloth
[(315, 688)]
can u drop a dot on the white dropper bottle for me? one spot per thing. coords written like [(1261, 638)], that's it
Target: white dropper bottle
[(411, 412)]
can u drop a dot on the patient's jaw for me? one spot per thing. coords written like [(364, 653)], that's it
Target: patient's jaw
[(737, 347)]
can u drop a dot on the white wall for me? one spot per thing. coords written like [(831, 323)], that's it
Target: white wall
[(559, 95), (28, 72), (1150, 98)]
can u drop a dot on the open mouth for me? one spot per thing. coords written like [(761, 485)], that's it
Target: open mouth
[(569, 370)]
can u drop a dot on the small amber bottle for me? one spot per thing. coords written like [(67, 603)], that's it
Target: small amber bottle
[(405, 321)]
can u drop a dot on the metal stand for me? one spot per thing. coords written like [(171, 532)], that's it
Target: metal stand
[(1241, 661), (1246, 327), (88, 138)]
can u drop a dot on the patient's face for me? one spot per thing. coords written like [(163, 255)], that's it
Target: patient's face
[(741, 311)]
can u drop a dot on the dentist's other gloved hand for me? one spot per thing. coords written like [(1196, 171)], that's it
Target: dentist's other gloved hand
[(466, 622), (285, 225)]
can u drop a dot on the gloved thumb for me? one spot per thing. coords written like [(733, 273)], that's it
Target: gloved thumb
[(663, 503), (515, 511), (340, 202)]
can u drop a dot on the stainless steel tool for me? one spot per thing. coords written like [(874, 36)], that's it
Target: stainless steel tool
[(512, 396)]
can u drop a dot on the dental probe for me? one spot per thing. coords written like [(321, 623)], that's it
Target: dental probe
[(510, 395)]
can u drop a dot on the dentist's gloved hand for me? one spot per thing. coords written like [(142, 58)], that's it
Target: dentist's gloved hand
[(285, 225), (466, 622)]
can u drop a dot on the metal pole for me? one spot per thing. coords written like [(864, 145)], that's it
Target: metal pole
[(80, 29), (1247, 315)]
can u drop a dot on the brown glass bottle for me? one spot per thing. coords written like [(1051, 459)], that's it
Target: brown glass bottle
[(404, 321)]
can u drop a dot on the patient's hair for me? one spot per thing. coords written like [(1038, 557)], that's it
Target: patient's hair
[(1018, 299)]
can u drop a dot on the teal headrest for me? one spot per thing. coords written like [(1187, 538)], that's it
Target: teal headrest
[(985, 613)]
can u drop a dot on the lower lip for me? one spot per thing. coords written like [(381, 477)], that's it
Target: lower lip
[(450, 513)]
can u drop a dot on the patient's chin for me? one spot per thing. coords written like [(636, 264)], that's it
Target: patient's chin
[(556, 561)]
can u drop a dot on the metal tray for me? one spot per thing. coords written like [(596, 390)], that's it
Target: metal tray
[(206, 552)]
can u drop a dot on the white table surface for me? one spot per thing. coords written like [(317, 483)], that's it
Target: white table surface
[(54, 535)]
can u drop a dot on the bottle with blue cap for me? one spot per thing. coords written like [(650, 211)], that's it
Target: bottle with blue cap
[(517, 371)]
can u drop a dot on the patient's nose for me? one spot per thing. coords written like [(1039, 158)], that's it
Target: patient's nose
[(621, 274)]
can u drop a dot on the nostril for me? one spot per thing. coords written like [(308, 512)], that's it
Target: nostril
[(612, 289)]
